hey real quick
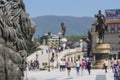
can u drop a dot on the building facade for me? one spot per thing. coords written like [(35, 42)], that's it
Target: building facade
[(52, 39)]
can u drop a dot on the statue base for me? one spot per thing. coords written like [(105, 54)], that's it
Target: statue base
[(101, 53)]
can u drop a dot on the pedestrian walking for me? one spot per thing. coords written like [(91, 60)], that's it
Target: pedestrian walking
[(117, 71), (105, 65), (61, 65), (89, 66), (29, 66), (32, 65), (83, 66), (112, 62), (68, 66), (77, 65)]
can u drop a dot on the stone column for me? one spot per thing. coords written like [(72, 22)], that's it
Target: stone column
[(81, 44)]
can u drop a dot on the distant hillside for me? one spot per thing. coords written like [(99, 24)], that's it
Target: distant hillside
[(74, 25)]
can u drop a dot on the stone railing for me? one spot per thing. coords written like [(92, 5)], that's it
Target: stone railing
[(64, 53)]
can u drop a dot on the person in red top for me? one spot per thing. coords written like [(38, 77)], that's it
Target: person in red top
[(68, 66), (83, 66)]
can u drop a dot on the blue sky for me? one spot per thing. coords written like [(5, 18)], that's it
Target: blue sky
[(77, 8)]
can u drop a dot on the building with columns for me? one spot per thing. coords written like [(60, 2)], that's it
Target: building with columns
[(79, 54)]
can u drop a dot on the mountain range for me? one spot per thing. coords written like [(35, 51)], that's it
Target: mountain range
[(52, 23)]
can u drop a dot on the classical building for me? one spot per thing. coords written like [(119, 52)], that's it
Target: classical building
[(52, 39), (79, 53), (112, 36)]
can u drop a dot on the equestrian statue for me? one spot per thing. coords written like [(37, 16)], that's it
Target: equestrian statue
[(101, 27)]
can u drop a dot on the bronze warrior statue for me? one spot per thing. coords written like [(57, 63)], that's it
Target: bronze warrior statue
[(63, 29), (101, 27)]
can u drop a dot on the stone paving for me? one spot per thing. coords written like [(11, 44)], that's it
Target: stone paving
[(96, 74)]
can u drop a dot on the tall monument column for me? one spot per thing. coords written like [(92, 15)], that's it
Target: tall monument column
[(81, 44), (81, 47)]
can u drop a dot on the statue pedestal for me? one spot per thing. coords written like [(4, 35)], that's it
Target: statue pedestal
[(101, 52)]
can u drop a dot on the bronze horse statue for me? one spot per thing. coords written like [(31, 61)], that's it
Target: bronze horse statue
[(101, 28)]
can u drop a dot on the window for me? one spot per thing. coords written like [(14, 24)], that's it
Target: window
[(118, 27), (112, 28), (108, 29), (119, 43), (119, 36), (113, 49), (116, 48)]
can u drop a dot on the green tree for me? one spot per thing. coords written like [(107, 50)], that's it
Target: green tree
[(76, 38)]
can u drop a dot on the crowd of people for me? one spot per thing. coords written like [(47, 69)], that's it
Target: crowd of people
[(32, 65), (115, 66), (85, 64), (80, 67)]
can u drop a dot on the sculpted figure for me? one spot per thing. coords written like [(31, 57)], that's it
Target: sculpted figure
[(63, 29), (16, 31), (101, 27)]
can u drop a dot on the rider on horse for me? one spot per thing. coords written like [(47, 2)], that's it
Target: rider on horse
[(100, 26), (100, 18)]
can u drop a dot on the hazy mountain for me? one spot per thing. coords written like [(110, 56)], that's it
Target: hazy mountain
[(74, 25)]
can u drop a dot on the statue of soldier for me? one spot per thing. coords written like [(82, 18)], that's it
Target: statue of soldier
[(100, 25), (100, 18), (63, 29)]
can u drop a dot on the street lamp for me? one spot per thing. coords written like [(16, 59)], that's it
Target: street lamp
[(49, 60), (59, 44), (48, 37), (59, 40), (57, 59)]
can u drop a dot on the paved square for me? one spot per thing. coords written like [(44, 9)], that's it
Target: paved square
[(96, 74)]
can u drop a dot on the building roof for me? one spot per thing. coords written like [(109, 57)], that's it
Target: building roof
[(112, 21), (108, 21)]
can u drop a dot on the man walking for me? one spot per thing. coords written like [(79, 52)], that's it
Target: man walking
[(77, 64), (105, 65)]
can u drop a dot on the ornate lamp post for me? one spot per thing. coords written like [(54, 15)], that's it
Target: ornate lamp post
[(49, 61), (48, 37)]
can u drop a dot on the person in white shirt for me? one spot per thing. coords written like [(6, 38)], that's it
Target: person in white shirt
[(61, 65), (105, 65), (77, 65)]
